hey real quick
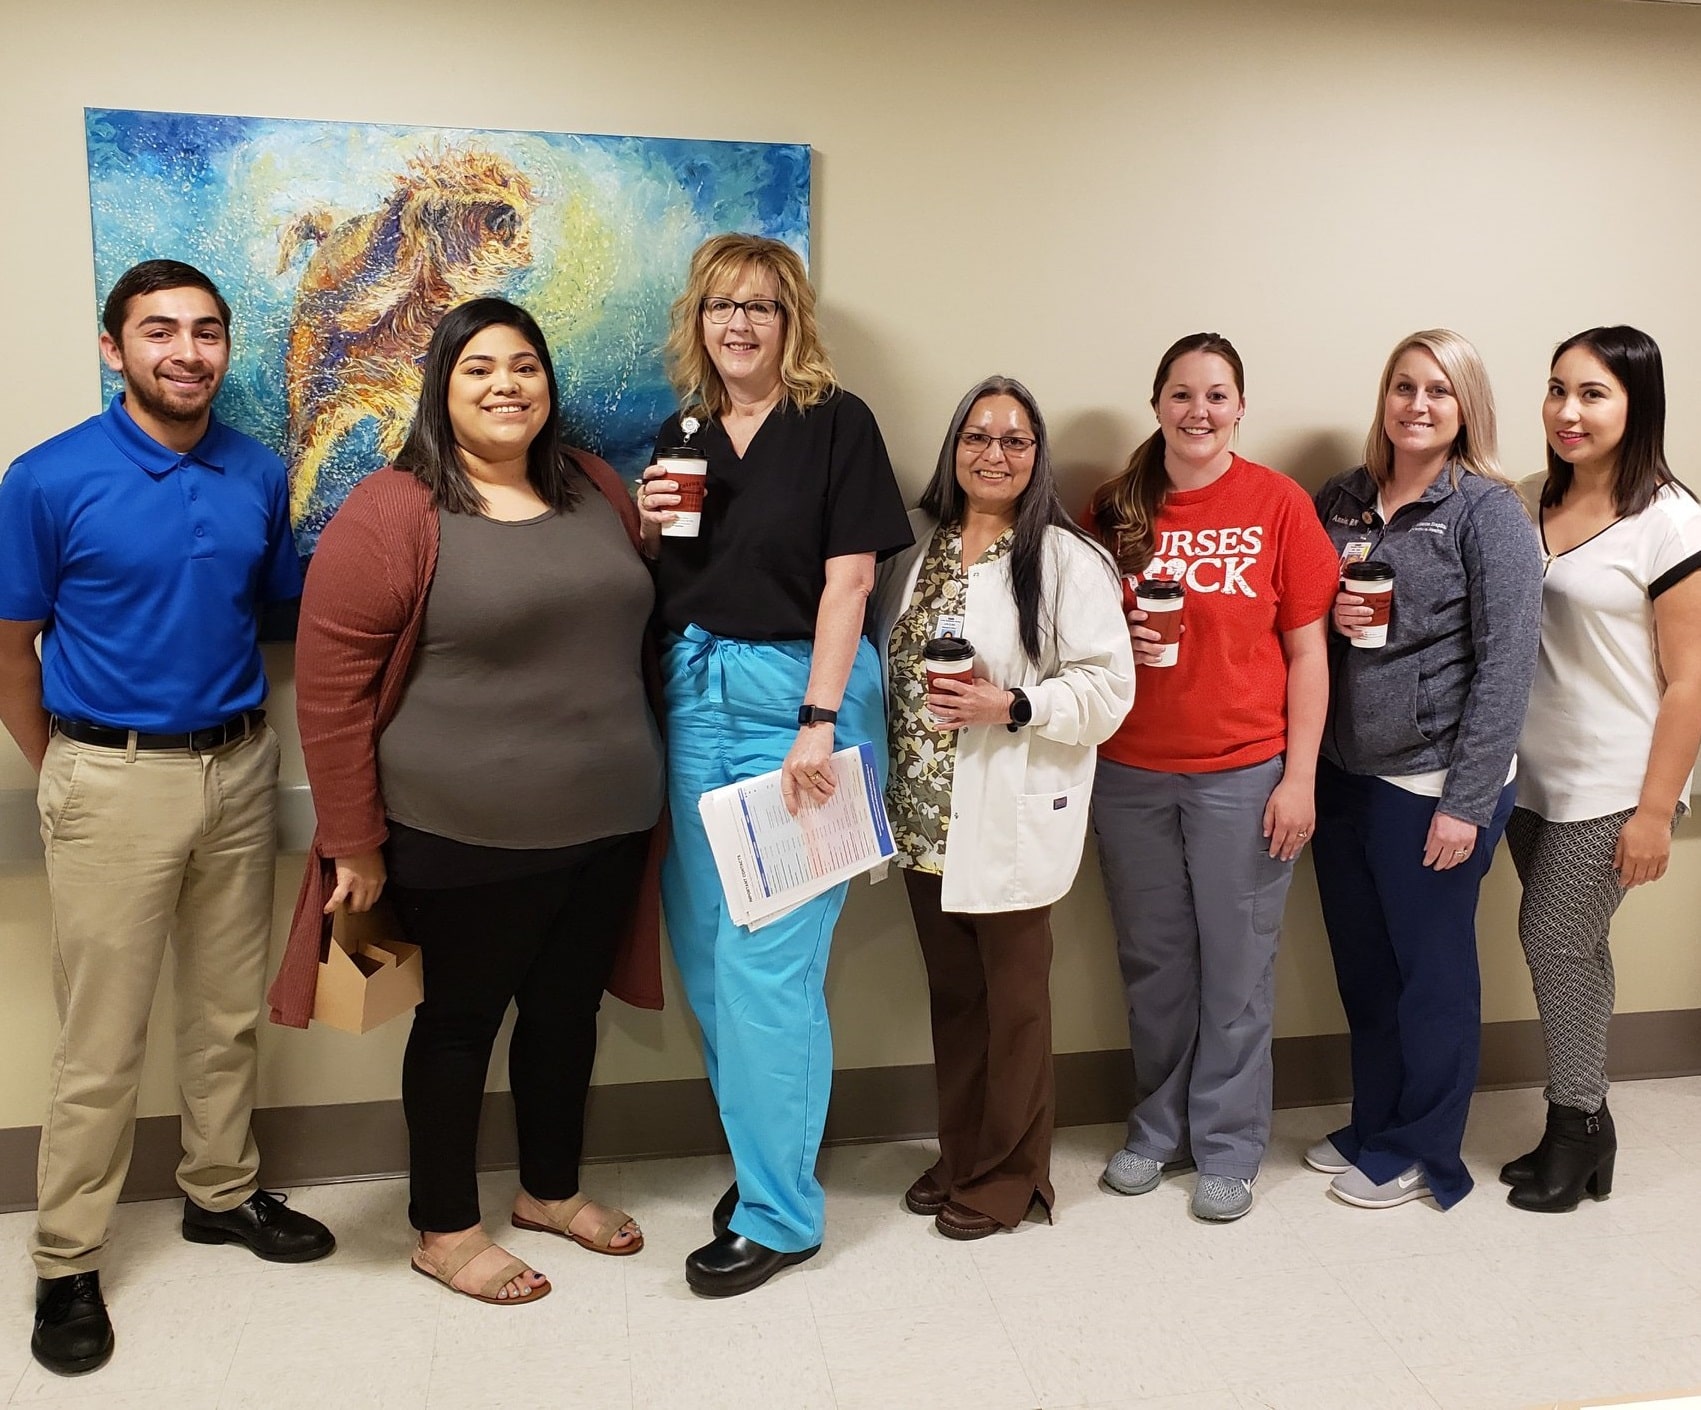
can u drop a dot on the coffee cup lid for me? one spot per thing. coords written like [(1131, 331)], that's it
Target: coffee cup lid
[(1369, 571), (683, 452), (1161, 588), (947, 648)]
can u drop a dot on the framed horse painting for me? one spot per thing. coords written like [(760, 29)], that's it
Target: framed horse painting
[(340, 245)]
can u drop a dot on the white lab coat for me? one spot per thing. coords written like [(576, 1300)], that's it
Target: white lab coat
[(1019, 799)]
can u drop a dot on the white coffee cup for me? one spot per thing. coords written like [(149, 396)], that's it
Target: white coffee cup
[(690, 473), (947, 658)]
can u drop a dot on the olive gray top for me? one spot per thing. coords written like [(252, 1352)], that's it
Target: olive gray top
[(524, 722)]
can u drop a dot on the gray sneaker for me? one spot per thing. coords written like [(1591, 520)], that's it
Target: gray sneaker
[(1355, 1187), (1130, 1174), (1326, 1158), (1221, 1198)]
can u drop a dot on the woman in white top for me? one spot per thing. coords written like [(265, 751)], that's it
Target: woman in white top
[(1608, 750), (1002, 766)]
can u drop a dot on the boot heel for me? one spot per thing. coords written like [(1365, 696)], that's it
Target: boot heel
[(195, 1234), (1600, 1183)]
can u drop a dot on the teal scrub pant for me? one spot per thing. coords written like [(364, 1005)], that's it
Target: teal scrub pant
[(758, 995)]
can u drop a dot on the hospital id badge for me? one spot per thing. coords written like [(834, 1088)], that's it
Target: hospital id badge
[(949, 624), (1355, 552)]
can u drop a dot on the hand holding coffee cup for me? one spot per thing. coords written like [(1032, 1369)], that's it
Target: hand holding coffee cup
[(1158, 604), (688, 468), (949, 662), (658, 493), (1146, 641), (1365, 603)]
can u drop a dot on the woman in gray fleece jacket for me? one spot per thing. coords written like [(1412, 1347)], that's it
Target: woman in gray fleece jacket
[(1415, 784)]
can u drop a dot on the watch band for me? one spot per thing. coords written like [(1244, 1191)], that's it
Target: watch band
[(1021, 709), (815, 715)]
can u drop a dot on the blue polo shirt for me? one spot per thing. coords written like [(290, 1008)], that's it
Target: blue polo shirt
[(148, 568)]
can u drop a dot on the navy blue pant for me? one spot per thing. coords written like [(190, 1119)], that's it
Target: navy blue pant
[(1404, 939)]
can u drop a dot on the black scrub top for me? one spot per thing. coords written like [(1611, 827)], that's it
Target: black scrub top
[(812, 485)]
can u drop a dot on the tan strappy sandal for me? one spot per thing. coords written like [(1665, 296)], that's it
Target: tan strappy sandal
[(600, 1241), (444, 1269)]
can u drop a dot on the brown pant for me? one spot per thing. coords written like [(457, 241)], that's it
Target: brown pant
[(988, 980), (142, 848)]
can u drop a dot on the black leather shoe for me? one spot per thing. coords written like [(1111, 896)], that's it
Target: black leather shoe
[(72, 1333), (733, 1264), (273, 1231), (724, 1207)]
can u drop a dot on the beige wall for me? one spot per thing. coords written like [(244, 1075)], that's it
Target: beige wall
[(1051, 190)]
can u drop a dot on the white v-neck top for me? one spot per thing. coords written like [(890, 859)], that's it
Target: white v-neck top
[(1590, 724)]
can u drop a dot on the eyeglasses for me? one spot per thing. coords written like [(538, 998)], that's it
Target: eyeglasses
[(979, 443), (756, 310)]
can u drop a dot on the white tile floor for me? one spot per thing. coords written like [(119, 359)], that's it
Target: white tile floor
[(1124, 1302)]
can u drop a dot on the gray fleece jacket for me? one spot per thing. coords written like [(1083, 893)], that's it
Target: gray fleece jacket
[(1450, 688)]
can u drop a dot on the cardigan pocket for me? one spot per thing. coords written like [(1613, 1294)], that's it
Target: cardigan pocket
[(1050, 828)]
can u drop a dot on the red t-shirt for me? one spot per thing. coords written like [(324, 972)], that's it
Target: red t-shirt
[(1256, 563)]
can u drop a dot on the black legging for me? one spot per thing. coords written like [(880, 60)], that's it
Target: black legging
[(546, 941)]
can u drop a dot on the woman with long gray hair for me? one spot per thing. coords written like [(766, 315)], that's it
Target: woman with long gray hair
[(989, 785)]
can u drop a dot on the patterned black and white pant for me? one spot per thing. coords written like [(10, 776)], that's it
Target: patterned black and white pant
[(1570, 894)]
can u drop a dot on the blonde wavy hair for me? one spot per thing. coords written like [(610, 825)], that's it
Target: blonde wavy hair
[(1476, 449), (717, 268)]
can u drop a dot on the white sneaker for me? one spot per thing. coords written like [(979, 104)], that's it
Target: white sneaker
[(1355, 1187), (1327, 1158)]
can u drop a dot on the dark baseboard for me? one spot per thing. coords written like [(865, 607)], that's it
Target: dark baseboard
[(307, 1145)]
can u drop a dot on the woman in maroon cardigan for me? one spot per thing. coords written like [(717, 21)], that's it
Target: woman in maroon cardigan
[(473, 715)]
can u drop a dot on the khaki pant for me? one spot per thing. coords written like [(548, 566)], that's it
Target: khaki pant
[(142, 847)]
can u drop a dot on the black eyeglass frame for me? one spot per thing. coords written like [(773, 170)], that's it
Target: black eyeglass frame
[(734, 305)]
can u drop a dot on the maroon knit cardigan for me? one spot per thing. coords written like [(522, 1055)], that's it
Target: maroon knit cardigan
[(360, 620)]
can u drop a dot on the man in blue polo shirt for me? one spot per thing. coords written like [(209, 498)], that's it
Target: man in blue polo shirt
[(139, 546)]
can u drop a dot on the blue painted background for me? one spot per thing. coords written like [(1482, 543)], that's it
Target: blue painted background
[(615, 222)]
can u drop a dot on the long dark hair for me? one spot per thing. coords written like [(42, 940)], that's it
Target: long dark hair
[(1038, 509), (430, 452), (1126, 508), (1640, 470)]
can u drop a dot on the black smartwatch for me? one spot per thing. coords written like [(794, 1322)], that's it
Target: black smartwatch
[(1021, 710), (815, 715)]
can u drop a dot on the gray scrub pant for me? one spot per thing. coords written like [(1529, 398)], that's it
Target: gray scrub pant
[(1196, 901)]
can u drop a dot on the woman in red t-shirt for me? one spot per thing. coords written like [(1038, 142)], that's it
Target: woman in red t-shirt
[(1204, 797)]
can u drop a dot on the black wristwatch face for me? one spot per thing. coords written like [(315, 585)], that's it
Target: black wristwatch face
[(815, 715), (1021, 708)]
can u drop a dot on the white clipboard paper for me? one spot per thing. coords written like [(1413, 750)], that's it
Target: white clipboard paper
[(771, 862)]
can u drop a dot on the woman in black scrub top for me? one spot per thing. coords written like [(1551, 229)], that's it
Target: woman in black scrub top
[(765, 667)]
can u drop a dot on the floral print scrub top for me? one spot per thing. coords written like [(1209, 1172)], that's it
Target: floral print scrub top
[(918, 789)]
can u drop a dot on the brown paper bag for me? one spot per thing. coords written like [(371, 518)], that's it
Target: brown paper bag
[(367, 973)]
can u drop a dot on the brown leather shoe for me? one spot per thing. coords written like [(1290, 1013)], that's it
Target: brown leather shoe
[(958, 1221), (926, 1196)]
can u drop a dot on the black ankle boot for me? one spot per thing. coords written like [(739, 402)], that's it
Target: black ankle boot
[(1523, 1170), (1578, 1160)]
